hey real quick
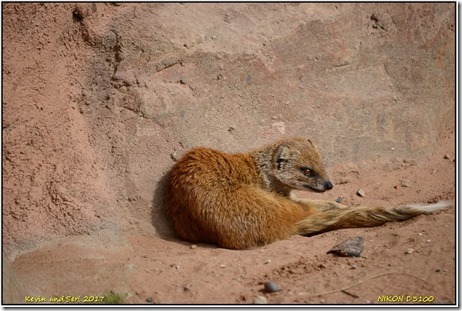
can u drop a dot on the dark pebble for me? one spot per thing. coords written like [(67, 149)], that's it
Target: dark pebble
[(271, 287), (149, 299), (351, 247)]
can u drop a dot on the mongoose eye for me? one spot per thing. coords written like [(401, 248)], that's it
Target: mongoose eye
[(307, 171)]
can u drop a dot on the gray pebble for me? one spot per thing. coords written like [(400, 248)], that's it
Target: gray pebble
[(351, 247), (271, 287), (149, 299)]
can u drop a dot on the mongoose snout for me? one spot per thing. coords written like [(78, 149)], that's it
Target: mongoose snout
[(328, 185)]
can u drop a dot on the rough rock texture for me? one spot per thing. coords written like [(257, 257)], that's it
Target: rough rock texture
[(351, 247), (100, 99)]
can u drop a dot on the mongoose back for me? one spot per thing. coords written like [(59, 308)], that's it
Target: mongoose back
[(241, 201)]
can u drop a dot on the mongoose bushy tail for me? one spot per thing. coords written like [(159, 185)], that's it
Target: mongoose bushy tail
[(245, 200), (363, 216)]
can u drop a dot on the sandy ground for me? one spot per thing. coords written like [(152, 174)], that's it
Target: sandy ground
[(407, 262)]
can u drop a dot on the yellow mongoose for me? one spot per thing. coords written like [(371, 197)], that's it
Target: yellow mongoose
[(241, 201)]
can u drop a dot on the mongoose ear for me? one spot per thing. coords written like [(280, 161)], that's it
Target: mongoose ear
[(313, 145), (281, 156)]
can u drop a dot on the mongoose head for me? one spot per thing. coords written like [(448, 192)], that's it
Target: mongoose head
[(297, 164)]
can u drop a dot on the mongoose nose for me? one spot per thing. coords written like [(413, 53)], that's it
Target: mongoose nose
[(328, 185)]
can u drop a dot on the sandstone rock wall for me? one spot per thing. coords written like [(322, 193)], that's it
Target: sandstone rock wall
[(100, 99)]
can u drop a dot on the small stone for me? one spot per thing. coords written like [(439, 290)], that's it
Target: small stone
[(222, 266), (271, 287), (260, 300), (149, 299), (409, 251), (437, 270), (351, 247), (193, 246), (267, 261), (338, 199), (361, 193), (405, 183), (354, 267), (446, 156)]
